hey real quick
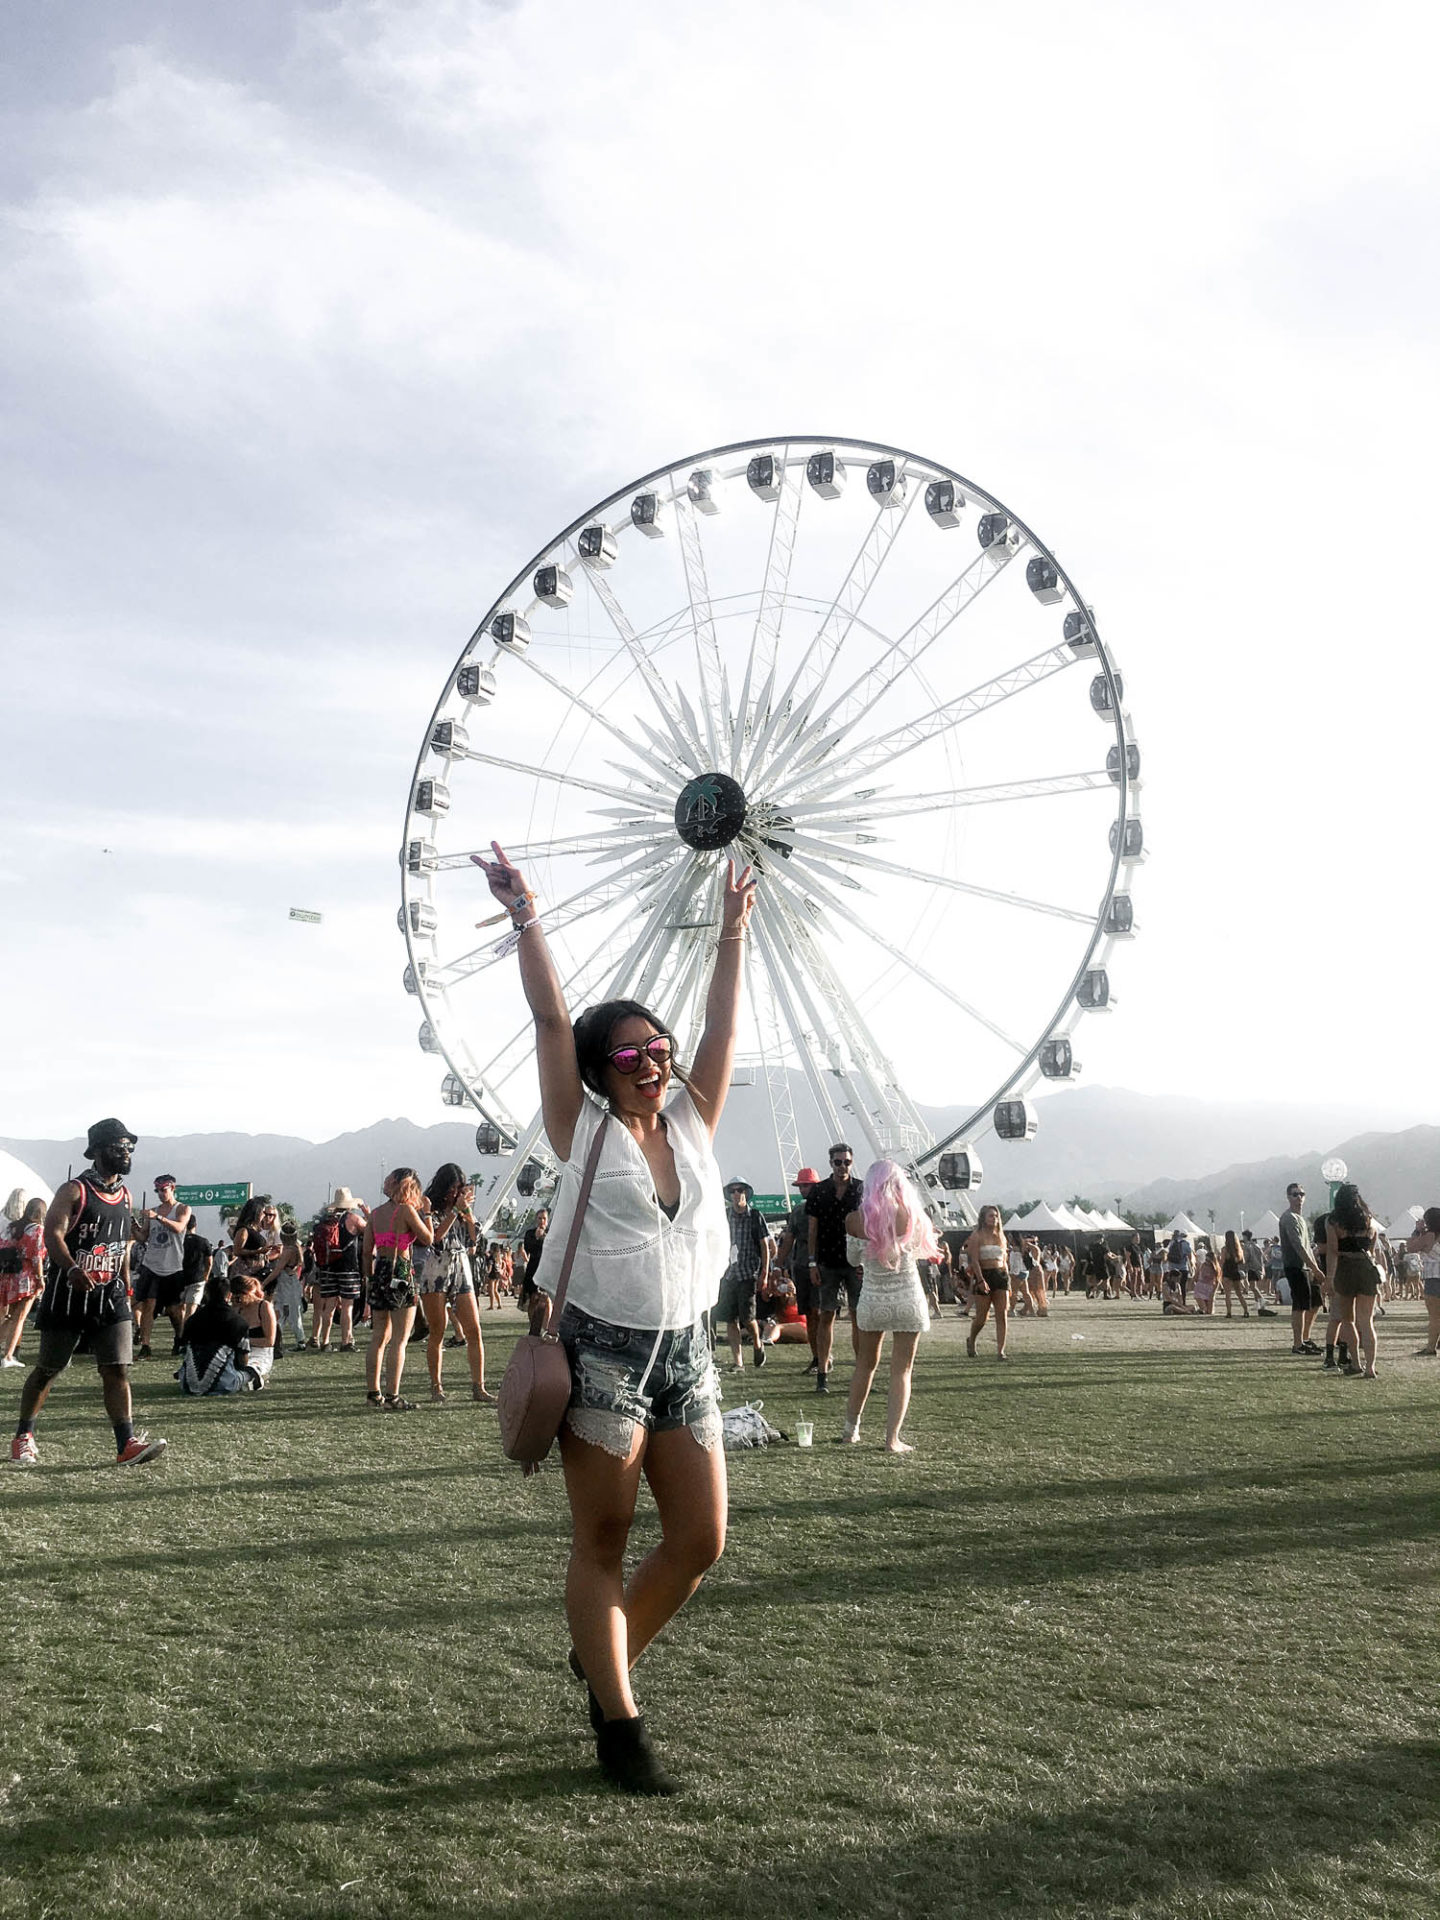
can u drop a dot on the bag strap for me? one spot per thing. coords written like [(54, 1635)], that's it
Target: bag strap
[(557, 1305)]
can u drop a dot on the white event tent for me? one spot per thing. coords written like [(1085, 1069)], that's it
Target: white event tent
[(1182, 1223), (1267, 1227), (15, 1174), (1404, 1224), (1043, 1219)]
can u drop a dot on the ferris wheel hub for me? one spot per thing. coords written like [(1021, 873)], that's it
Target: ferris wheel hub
[(710, 812)]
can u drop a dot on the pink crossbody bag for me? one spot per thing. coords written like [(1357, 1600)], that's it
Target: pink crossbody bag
[(536, 1388)]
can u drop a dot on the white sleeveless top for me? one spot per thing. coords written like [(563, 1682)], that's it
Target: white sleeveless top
[(634, 1266)]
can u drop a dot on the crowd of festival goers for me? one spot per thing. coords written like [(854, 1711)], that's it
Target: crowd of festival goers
[(417, 1268)]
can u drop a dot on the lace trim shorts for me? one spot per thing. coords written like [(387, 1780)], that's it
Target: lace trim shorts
[(624, 1378)]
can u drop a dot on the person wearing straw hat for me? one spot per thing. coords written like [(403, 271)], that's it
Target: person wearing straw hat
[(336, 1243)]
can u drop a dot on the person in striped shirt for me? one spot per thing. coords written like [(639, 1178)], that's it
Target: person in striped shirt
[(86, 1302)]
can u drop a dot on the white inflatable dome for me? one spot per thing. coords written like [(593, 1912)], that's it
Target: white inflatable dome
[(14, 1173)]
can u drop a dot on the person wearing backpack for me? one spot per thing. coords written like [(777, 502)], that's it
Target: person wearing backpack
[(335, 1243)]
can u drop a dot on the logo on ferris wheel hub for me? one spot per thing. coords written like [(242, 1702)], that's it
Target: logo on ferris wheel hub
[(710, 812)]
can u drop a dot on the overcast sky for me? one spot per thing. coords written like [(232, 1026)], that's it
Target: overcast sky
[(320, 320)]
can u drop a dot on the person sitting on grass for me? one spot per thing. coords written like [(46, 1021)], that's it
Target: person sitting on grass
[(888, 1233), (247, 1296), (1172, 1293), (781, 1321), (215, 1343)]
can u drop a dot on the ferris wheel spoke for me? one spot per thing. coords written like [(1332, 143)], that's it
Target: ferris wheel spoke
[(795, 952), (803, 1040), (871, 1066), (559, 918), (833, 815), (662, 763), (672, 933), (605, 840), (751, 725), (883, 750), (690, 750), (702, 620), (649, 934), (784, 528), (912, 965), (817, 852), (904, 652), (636, 796), (834, 629)]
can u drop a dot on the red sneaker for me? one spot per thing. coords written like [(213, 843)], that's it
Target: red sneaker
[(23, 1451), (137, 1448)]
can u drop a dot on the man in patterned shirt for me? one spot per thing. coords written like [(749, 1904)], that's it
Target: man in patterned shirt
[(86, 1302)]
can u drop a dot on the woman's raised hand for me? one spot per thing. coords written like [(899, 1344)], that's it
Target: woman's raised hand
[(739, 899), (507, 883)]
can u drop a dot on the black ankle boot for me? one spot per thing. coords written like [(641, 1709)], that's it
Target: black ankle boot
[(627, 1758)]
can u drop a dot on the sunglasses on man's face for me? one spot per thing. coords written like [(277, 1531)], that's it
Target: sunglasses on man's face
[(841, 1160), (627, 1059)]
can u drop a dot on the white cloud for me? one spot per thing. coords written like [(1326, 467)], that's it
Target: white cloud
[(312, 355)]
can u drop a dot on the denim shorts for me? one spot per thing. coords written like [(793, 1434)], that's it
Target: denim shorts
[(624, 1378)]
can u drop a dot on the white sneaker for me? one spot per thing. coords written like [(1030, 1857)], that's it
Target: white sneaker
[(11, 1361), (23, 1451)]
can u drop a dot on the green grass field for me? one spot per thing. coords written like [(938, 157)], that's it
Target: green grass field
[(1146, 1626)]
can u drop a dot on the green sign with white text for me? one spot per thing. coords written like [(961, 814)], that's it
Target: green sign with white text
[(233, 1193)]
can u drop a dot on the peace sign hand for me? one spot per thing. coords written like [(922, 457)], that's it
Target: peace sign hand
[(507, 883), (739, 899)]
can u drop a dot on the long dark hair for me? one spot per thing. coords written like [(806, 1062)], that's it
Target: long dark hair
[(1431, 1220), (250, 1213), (592, 1033), (447, 1180), (1350, 1212)]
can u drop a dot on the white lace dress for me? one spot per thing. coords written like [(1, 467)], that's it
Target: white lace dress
[(892, 1299)]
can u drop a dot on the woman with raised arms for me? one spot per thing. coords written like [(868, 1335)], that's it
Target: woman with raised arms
[(653, 1245)]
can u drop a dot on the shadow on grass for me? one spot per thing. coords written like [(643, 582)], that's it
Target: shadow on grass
[(1240, 1831), (1238, 1835)]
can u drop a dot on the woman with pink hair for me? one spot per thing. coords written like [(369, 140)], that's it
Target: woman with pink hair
[(888, 1232)]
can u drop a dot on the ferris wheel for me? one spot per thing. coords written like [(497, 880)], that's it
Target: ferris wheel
[(864, 675)]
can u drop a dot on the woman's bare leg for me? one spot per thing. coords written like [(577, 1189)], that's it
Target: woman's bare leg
[(1364, 1307), (433, 1305), (602, 1489), (902, 1362), (400, 1324), (467, 1318), (375, 1352), (1001, 1304), (861, 1381), (691, 1496)]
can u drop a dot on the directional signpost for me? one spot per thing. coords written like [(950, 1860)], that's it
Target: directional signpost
[(232, 1193), (774, 1206)]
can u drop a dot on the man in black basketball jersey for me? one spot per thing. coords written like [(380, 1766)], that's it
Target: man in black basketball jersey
[(86, 1302)]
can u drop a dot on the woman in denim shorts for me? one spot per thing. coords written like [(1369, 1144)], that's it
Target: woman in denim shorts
[(652, 1248)]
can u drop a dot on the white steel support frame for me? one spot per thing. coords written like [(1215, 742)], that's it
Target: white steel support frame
[(801, 743)]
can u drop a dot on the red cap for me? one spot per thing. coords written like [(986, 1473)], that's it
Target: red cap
[(807, 1177)]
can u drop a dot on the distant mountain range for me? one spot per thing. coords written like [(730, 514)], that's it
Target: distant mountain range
[(1150, 1151), (1392, 1170)]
